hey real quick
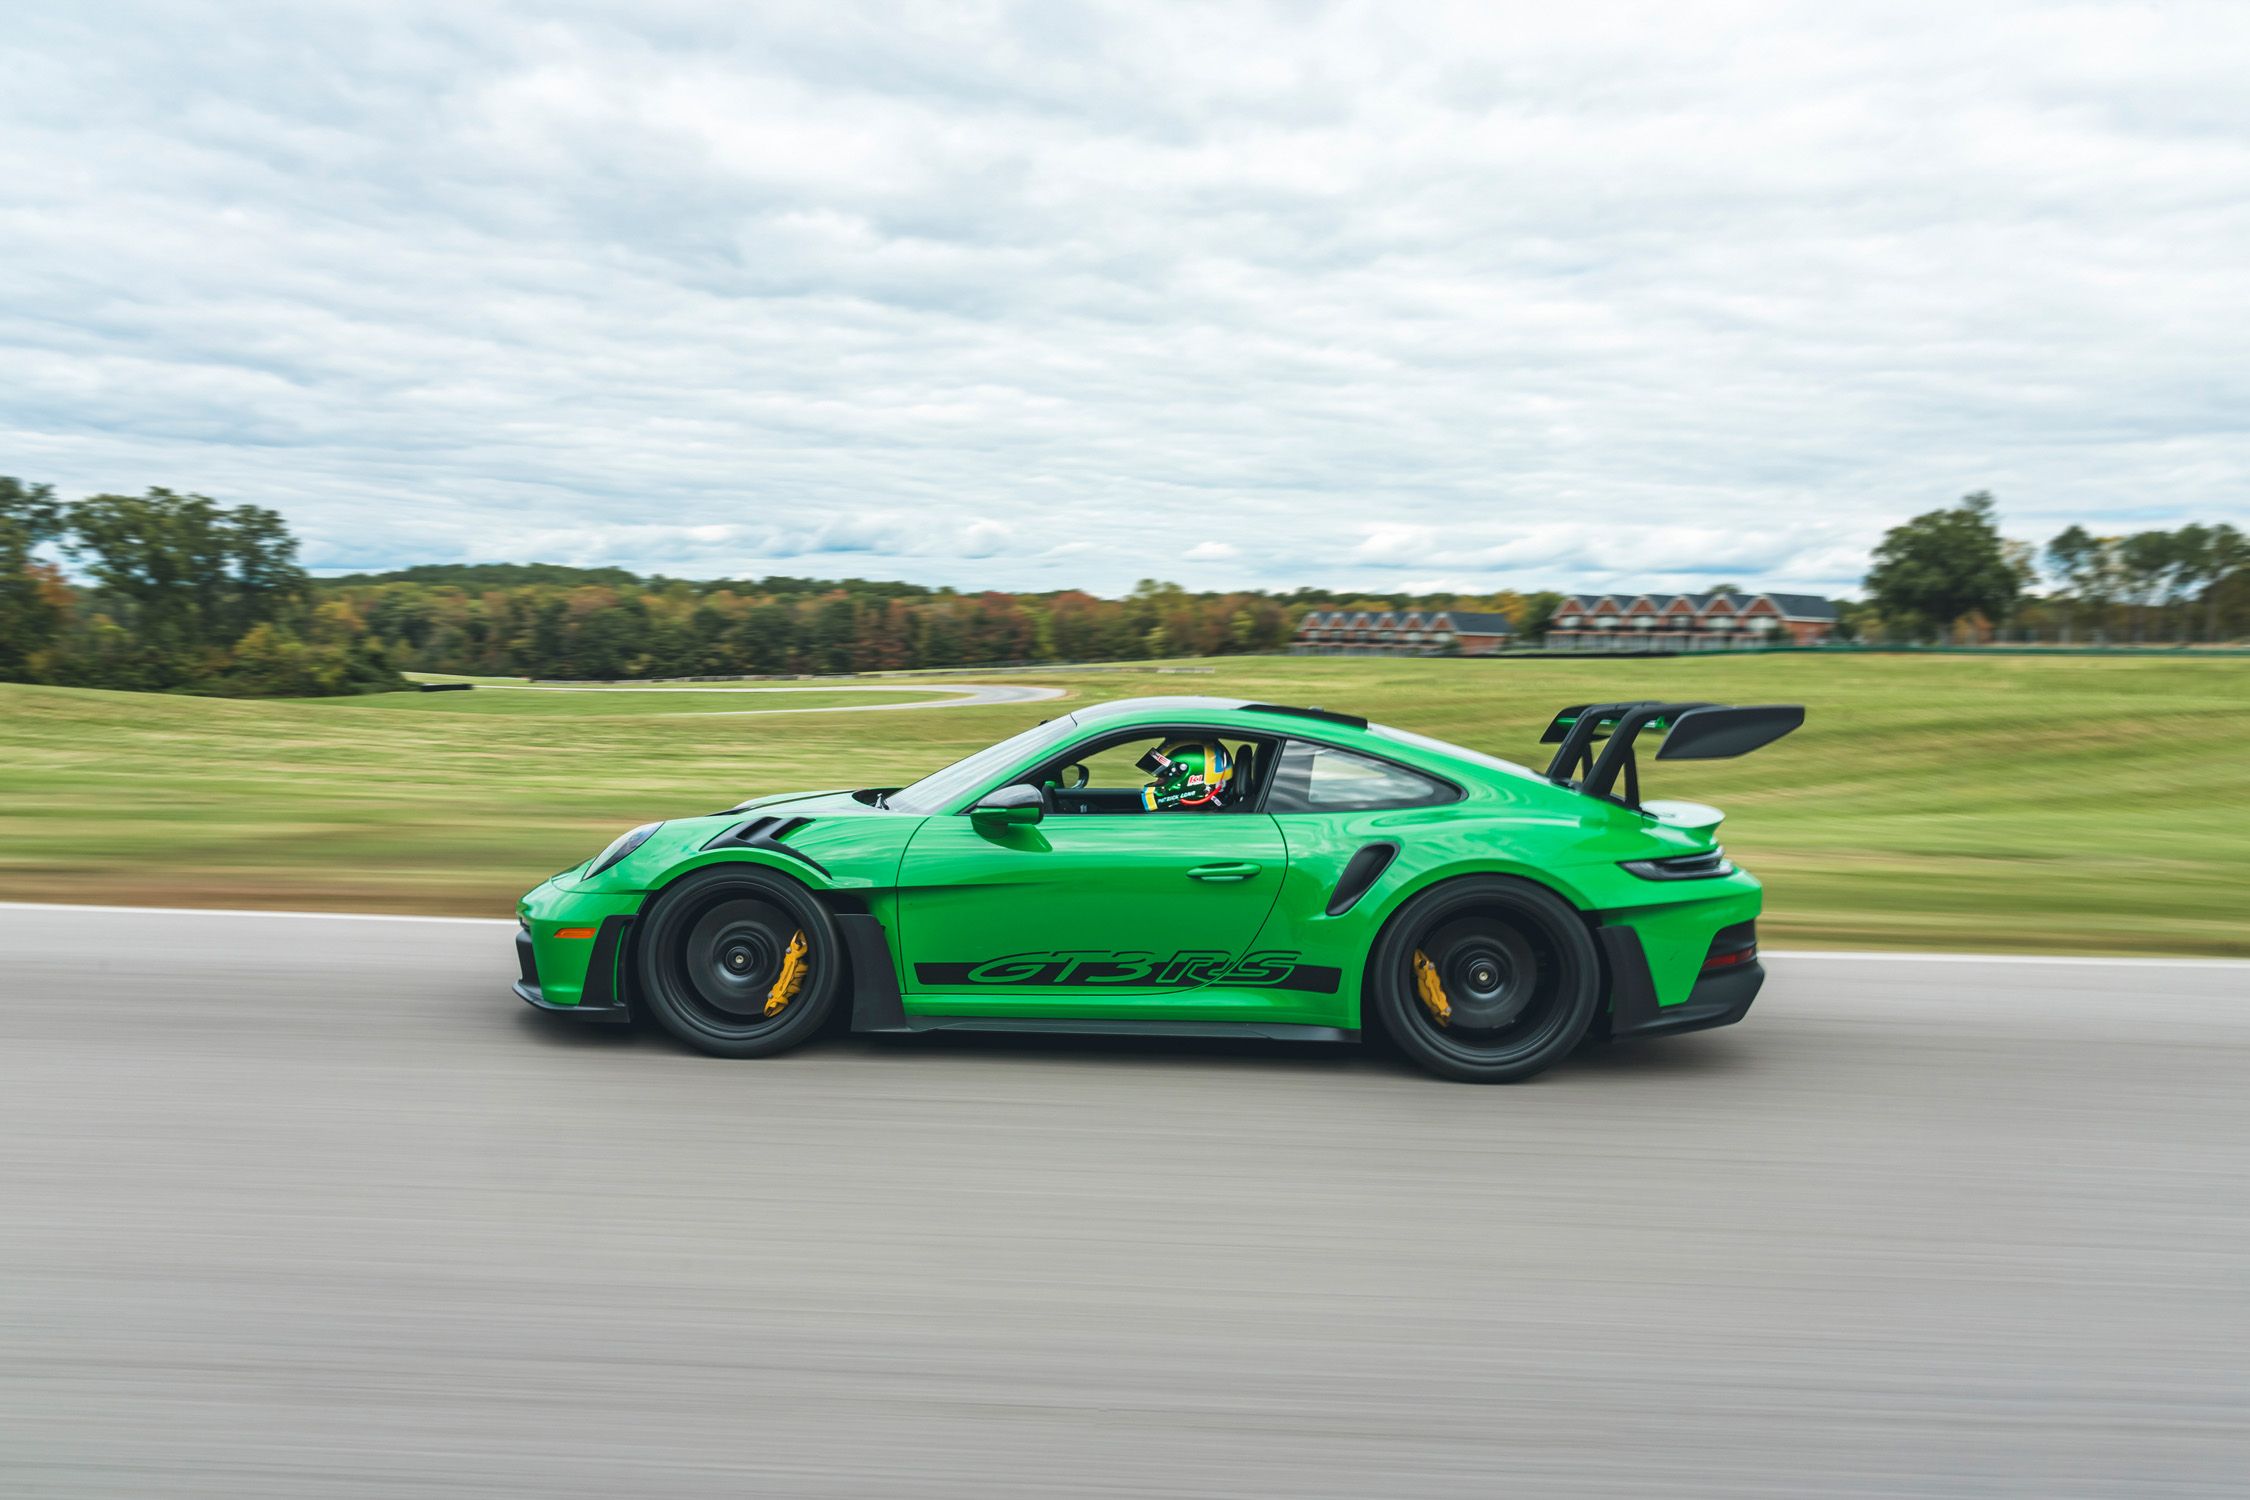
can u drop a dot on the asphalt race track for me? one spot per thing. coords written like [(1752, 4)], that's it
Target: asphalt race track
[(309, 1207)]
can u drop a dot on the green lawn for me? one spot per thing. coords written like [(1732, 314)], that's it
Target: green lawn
[(2001, 804)]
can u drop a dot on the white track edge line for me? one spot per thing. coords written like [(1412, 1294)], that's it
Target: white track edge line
[(228, 911), (1791, 953), (2002, 958)]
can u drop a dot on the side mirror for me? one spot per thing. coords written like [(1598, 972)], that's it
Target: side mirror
[(1016, 806)]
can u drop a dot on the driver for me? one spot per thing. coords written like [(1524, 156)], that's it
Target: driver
[(1191, 775)]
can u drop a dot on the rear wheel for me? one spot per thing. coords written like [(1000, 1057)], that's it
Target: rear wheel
[(738, 962), (1485, 980)]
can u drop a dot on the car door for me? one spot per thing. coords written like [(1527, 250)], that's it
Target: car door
[(1099, 914)]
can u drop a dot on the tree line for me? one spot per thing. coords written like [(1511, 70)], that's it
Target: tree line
[(1951, 575), (479, 620), (170, 591), (686, 628), (179, 593), (175, 592)]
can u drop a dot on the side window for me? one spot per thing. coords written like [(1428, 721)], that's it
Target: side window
[(1168, 771), (1320, 778), (1118, 767)]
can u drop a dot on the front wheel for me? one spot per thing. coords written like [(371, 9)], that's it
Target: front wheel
[(737, 962), (1485, 980)]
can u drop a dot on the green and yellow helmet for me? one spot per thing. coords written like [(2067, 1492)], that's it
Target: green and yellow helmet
[(1186, 773)]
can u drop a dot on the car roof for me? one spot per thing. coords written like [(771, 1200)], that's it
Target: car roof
[(1155, 710), (1306, 722)]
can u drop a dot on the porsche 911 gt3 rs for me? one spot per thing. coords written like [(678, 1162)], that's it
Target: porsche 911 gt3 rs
[(1190, 867)]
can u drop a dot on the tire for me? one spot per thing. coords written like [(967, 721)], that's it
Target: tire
[(710, 949), (1519, 971)]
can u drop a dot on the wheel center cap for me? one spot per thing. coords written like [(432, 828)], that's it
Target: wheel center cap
[(1484, 988)]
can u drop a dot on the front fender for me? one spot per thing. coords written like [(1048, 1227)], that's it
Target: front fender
[(846, 853)]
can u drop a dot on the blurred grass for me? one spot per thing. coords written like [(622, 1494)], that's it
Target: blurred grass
[(1992, 804)]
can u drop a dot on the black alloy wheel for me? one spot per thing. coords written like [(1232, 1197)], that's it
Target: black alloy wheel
[(715, 961), (1516, 979)]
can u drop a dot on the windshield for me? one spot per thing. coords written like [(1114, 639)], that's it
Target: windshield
[(940, 790)]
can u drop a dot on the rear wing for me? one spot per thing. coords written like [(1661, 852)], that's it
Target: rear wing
[(1692, 731)]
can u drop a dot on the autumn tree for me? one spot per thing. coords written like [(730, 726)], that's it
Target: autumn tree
[(1942, 566), (32, 603)]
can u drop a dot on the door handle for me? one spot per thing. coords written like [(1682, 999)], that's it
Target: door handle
[(1237, 870)]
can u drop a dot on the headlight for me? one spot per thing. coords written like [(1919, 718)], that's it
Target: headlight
[(622, 845)]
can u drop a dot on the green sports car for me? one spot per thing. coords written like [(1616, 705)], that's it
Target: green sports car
[(1190, 867)]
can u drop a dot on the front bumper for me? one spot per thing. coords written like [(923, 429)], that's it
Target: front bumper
[(575, 974)]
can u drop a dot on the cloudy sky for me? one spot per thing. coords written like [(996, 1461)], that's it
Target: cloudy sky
[(1040, 294)]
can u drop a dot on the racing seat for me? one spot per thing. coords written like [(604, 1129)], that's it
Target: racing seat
[(1245, 776)]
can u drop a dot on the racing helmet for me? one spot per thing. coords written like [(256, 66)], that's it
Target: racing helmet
[(1186, 773)]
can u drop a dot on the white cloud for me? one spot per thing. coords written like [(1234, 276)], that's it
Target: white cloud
[(1401, 545), (1077, 295)]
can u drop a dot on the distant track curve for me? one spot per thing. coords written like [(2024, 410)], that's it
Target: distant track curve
[(968, 694)]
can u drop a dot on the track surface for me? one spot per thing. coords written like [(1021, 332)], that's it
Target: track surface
[(305, 1207)]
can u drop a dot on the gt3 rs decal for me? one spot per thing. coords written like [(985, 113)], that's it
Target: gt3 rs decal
[(1271, 969)]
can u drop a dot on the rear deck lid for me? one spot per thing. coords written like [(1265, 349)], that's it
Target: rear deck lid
[(1688, 817)]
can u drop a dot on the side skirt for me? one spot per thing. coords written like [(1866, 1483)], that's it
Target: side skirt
[(1238, 1030)]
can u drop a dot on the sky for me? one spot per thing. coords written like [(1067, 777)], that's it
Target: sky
[(1044, 295)]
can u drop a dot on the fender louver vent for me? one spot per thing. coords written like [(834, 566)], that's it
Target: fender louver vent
[(766, 834)]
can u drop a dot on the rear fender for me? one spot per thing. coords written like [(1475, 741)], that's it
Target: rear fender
[(1319, 914)]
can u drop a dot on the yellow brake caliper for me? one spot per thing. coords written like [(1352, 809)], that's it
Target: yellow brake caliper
[(1429, 990), (792, 976)]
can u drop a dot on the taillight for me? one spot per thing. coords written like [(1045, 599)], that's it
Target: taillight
[(1681, 866), (1732, 947)]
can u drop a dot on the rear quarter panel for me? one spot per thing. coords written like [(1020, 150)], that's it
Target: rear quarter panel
[(1572, 847)]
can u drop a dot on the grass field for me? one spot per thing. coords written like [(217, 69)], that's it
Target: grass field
[(1994, 804)]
